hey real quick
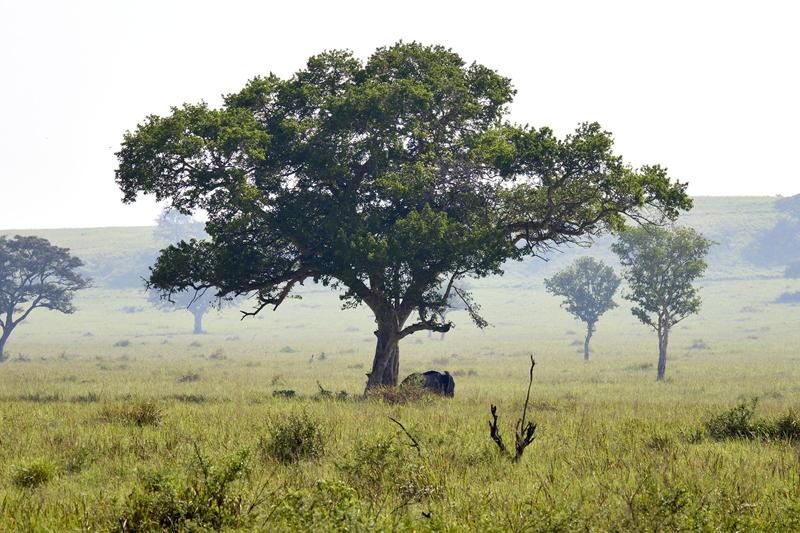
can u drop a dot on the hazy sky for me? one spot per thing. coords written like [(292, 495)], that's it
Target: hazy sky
[(709, 89)]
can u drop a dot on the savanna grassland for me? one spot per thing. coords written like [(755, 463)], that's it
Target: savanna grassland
[(117, 417)]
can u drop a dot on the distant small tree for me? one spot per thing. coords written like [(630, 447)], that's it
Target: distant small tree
[(793, 270), (660, 266), (459, 300), (197, 303), (172, 226), (34, 274), (588, 288)]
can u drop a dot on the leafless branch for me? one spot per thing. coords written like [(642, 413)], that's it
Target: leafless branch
[(414, 442)]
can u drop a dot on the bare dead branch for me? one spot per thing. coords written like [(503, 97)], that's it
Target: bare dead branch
[(414, 442), (524, 430), (494, 431)]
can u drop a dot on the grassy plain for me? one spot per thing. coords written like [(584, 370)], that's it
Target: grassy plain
[(119, 410)]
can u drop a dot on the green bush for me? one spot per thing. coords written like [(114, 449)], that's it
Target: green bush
[(208, 499), (735, 423), (738, 423), (295, 438), (382, 469), (34, 474), (786, 427), (329, 506)]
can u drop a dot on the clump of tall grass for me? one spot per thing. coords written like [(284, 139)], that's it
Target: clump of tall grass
[(294, 438), (34, 474), (409, 393), (134, 412)]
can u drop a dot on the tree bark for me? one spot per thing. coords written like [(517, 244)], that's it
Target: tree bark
[(391, 373), (3, 338), (663, 339), (589, 332), (386, 364), (198, 322)]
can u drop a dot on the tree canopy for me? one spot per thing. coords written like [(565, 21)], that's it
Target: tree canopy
[(390, 180), (661, 265), (34, 274), (587, 287)]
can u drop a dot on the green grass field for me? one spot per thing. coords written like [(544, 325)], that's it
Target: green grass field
[(117, 415)]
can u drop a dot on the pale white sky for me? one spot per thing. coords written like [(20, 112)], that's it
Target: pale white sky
[(709, 89)]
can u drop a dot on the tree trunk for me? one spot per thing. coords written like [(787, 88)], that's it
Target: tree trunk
[(198, 322), (390, 374), (386, 364), (3, 338), (589, 332), (663, 338)]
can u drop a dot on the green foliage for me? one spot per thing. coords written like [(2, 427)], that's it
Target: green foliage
[(137, 412), (738, 423), (660, 267), (34, 474), (295, 438), (391, 179), (208, 499), (378, 469), (588, 288)]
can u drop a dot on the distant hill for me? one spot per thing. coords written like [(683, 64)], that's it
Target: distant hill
[(120, 257)]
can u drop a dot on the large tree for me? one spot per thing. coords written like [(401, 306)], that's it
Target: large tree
[(389, 180), (588, 288), (34, 274), (661, 265)]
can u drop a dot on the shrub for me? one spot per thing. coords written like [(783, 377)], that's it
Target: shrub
[(217, 355), (34, 474), (89, 397), (295, 438), (137, 412), (786, 427), (330, 506), (739, 423), (188, 398), (40, 398), (733, 424), (208, 499), (379, 469)]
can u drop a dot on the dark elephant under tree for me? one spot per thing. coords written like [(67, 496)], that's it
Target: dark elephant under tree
[(432, 380)]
